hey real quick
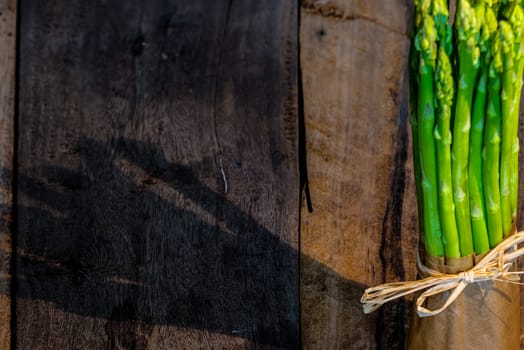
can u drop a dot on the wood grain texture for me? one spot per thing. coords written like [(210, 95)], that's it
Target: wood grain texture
[(158, 175), (363, 227), (7, 110)]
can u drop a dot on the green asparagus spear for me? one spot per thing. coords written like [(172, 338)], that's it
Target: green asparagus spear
[(413, 98), (468, 28), (444, 94), (425, 43), (514, 177), (476, 188), (507, 139), (491, 152), (515, 16)]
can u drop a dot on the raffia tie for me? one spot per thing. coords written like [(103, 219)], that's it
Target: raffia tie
[(496, 265)]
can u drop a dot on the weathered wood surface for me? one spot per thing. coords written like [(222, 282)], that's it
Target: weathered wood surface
[(363, 227), (7, 110), (158, 175), (364, 224)]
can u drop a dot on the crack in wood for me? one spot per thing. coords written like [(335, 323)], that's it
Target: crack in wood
[(215, 91)]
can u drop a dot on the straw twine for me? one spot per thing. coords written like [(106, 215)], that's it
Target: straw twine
[(496, 265)]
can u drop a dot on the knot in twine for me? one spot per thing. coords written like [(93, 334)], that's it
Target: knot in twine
[(495, 265)]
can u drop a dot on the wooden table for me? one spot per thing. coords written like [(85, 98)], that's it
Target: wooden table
[(153, 157)]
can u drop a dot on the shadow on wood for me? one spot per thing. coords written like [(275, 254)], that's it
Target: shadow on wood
[(220, 280), (180, 231), (158, 186), (92, 262)]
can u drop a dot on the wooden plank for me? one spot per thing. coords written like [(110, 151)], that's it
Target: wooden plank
[(7, 110), (158, 189), (363, 228)]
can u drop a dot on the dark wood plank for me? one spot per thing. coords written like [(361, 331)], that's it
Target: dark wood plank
[(158, 175), (363, 228), (7, 110)]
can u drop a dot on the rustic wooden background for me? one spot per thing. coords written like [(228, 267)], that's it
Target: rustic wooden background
[(363, 225), (155, 161)]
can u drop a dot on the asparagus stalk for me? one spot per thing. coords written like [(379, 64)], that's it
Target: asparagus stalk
[(515, 16), (476, 188), (514, 177), (425, 43), (491, 152), (444, 94), (468, 29), (444, 99), (507, 94), (413, 98)]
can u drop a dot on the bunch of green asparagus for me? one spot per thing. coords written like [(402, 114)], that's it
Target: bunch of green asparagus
[(465, 87)]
